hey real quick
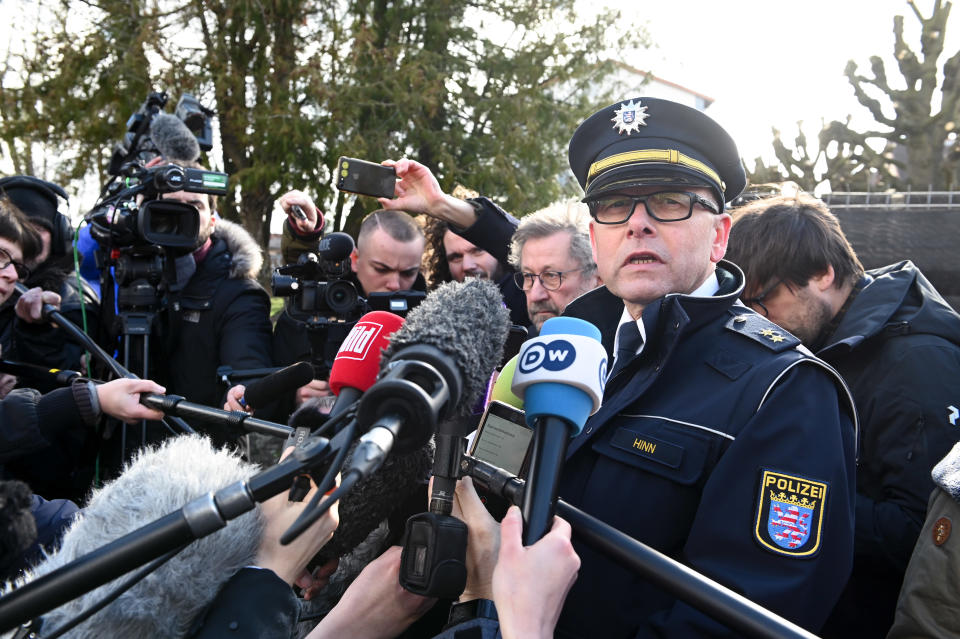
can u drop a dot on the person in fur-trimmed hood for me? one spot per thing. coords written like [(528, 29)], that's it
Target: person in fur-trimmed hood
[(215, 314), (224, 314)]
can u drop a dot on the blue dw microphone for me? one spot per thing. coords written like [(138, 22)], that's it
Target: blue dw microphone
[(560, 377)]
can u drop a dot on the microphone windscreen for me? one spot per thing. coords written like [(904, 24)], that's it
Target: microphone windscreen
[(335, 247), (173, 139), (18, 529), (375, 497), (158, 482), (265, 390), (358, 360), (468, 322), (502, 391)]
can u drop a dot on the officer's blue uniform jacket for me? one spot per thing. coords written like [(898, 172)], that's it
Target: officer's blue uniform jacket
[(726, 445)]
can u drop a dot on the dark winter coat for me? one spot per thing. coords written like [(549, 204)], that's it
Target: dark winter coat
[(224, 320), (898, 348), (493, 232), (43, 343), (720, 407), (43, 441)]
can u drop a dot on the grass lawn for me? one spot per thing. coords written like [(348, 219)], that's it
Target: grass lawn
[(276, 305)]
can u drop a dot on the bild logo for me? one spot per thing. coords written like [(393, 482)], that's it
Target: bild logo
[(555, 356)]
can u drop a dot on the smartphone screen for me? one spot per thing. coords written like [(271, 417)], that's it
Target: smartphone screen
[(503, 438)]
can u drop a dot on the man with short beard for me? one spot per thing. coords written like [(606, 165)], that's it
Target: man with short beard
[(451, 257), (224, 319), (896, 342), (217, 314), (549, 251)]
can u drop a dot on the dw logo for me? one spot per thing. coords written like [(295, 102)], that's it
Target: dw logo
[(555, 356)]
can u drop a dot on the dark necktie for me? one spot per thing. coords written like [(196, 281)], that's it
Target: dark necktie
[(629, 342)]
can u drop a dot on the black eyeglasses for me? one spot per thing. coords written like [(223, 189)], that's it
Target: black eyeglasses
[(550, 280), (663, 206), (758, 300), (6, 260)]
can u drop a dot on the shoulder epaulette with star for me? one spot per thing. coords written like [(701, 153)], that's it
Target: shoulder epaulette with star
[(760, 329)]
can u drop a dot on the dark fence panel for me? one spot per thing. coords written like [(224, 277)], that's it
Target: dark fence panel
[(927, 235)]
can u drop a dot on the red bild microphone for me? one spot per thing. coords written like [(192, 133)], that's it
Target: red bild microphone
[(357, 362)]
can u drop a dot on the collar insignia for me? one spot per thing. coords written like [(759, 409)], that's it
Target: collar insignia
[(629, 117), (774, 336)]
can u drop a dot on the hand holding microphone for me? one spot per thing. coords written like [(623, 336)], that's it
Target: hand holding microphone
[(531, 583), (33, 305), (314, 389), (483, 541), (261, 392), (120, 398), (290, 561)]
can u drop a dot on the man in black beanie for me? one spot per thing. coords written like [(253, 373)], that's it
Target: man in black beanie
[(54, 472), (52, 270)]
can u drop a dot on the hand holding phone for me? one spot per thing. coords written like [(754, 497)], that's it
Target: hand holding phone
[(302, 214), (297, 212)]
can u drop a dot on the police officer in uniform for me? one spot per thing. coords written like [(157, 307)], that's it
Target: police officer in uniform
[(721, 441)]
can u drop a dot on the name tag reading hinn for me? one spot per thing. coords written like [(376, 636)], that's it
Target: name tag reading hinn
[(650, 447)]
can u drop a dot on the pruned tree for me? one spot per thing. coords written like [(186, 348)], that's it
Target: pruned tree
[(915, 143)]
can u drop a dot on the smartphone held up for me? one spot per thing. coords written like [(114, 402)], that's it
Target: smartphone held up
[(365, 178)]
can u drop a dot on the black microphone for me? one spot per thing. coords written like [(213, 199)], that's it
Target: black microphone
[(335, 247), (266, 389), (463, 322), (559, 376), (173, 139), (231, 419), (436, 366)]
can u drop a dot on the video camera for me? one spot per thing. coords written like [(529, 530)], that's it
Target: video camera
[(120, 221), (137, 146), (316, 287), (129, 212), (319, 292), (321, 296)]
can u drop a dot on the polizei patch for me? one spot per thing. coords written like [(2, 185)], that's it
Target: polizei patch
[(790, 513)]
